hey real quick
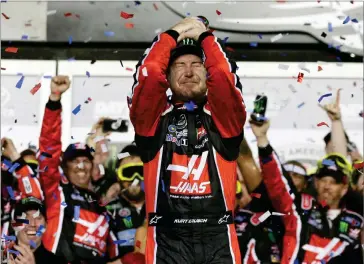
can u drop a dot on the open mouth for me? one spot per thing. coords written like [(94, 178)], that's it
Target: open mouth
[(31, 234)]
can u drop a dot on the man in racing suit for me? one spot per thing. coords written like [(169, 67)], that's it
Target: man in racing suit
[(77, 226), (189, 146), (318, 230)]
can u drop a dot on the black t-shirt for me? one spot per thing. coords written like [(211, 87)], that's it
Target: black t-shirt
[(43, 256)]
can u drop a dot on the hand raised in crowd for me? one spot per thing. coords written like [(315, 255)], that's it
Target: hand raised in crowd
[(191, 27), (25, 255), (260, 132), (8, 149), (59, 85), (333, 109)]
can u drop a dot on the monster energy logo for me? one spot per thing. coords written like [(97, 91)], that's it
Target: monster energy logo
[(344, 227), (127, 221), (259, 105), (188, 41)]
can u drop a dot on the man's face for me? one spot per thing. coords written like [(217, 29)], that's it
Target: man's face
[(298, 181), (29, 231), (329, 191), (79, 171), (187, 78), (134, 193), (359, 186)]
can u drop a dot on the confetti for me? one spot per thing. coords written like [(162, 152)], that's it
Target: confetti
[(20, 82), (322, 124), (218, 12), (76, 110), (10, 192), (276, 37), (36, 214), (51, 12), (264, 216), (354, 20), (103, 148), (144, 71), (260, 36), (155, 6), (129, 69), (64, 204), (319, 68), (300, 77), (253, 44), (118, 242), (256, 195), (347, 19), (323, 96), (328, 162), (102, 169), (323, 34), (70, 40), (40, 230), (300, 105), (137, 3), (135, 182), (10, 238), (76, 215), (276, 213), (190, 106), (13, 252), (126, 15), (93, 61), (129, 25), (305, 69), (22, 221), (283, 66), (80, 165), (67, 14), (32, 244), (87, 74), (35, 88), (109, 33), (54, 196), (329, 27), (123, 155), (13, 168), (5, 16)]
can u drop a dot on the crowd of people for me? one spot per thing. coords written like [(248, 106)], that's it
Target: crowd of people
[(188, 190)]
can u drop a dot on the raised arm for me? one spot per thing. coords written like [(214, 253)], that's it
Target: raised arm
[(224, 98), (279, 192)]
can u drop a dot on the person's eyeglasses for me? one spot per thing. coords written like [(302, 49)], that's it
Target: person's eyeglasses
[(130, 171)]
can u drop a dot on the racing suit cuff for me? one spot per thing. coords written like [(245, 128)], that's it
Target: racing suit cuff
[(54, 105), (174, 34), (265, 151), (203, 36)]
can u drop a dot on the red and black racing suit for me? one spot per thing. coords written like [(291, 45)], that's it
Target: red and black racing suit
[(85, 239), (189, 157), (310, 237)]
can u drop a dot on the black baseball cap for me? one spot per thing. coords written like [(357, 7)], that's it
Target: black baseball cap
[(77, 150), (186, 46), (29, 203)]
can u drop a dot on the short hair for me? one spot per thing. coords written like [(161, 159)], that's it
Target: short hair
[(27, 152), (327, 138)]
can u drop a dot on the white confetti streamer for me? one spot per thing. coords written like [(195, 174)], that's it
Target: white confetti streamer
[(144, 71), (123, 155), (305, 69), (51, 12), (276, 37), (135, 182), (283, 66), (264, 216), (102, 169), (103, 148), (80, 165), (276, 213), (36, 214)]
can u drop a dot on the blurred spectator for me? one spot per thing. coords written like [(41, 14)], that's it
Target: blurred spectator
[(298, 174), (358, 178)]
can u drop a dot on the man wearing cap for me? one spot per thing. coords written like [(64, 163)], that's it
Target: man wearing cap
[(78, 227), (325, 230), (189, 145)]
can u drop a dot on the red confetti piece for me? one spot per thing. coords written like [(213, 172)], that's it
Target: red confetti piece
[(67, 14), (138, 243), (129, 25), (322, 124), (300, 77), (319, 68), (11, 50), (218, 12), (126, 15), (155, 6), (35, 88), (5, 16), (359, 166), (89, 99), (129, 69), (256, 195), (230, 49)]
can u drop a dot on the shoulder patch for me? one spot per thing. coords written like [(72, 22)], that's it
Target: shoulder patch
[(306, 201)]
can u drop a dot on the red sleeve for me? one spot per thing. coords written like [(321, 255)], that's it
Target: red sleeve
[(224, 97), (28, 183), (279, 193), (149, 100)]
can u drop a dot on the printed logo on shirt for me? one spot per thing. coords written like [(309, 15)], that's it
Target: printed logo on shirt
[(354, 233), (128, 222), (189, 176), (352, 221), (343, 227), (124, 212), (178, 142), (126, 237), (27, 185), (182, 122)]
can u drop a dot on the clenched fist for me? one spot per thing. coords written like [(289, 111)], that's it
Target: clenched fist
[(59, 85)]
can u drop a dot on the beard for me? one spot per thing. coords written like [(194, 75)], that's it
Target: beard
[(135, 197)]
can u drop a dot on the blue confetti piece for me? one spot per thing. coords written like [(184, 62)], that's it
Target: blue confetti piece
[(88, 74), (253, 44), (23, 221), (142, 185), (118, 242), (76, 214), (190, 106), (260, 36), (330, 27), (24, 37), (13, 252), (137, 3), (40, 231), (13, 168), (47, 76), (64, 204), (323, 96), (20, 82), (354, 20), (347, 19), (54, 196), (70, 40), (76, 110), (323, 261), (328, 162), (225, 40), (109, 33), (10, 192), (10, 238), (163, 186), (7, 164), (301, 104), (188, 14), (71, 59), (32, 244), (338, 58), (330, 46)]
